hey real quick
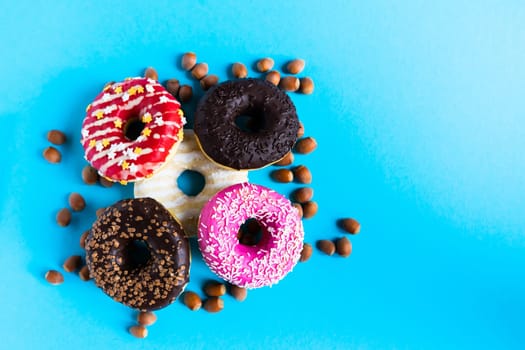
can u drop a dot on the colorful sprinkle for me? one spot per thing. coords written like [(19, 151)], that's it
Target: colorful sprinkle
[(99, 114), (146, 118), (118, 123), (159, 121)]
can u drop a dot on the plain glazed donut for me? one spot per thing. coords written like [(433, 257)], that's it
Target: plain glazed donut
[(131, 128), (163, 185), (227, 144), (146, 285), (272, 257)]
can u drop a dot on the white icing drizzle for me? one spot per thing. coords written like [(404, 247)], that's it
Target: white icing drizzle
[(163, 185)]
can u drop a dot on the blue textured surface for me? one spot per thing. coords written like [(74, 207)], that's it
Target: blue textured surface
[(419, 114)]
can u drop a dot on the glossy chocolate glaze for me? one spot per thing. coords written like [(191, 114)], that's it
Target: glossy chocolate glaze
[(227, 144)]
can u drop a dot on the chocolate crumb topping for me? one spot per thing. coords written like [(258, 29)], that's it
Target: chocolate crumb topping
[(138, 254)]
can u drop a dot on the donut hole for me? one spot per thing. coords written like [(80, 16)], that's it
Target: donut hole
[(133, 128), (250, 121), (137, 254), (191, 182), (250, 232)]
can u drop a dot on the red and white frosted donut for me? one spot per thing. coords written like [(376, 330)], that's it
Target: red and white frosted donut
[(131, 129), (276, 253)]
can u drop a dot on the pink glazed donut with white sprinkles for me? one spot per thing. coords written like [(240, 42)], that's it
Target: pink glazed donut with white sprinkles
[(276, 253)]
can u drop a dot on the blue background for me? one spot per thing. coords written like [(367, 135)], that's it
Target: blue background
[(418, 111)]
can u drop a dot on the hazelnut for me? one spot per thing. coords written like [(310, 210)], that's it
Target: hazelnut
[(199, 71), (286, 160), (273, 77), (265, 64), (188, 61), (52, 155), (289, 83), (213, 304), (139, 331), (146, 318), (56, 137), (309, 209), (306, 145), (239, 70), (151, 73), (350, 225), (306, 86), (54, 277), (306, 253), (209, 81), (214, 289), (343, 247), (295, 66), (326, 246), (282, 175), (192, 300)]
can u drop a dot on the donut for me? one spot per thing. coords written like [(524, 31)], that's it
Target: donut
[(163, 185), (274, 124), (138, 254), (131, 128), (250, 266)]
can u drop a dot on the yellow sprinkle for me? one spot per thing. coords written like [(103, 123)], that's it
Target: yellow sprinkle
[(146, 131), (88, 107), (146, 118), (140, 89), (137, 150), (92, 143), (123, 182), (118, 123), (99, 114), (105, 142), (148, 176), (132, 91), (181, 112), (125, 165), (118, 89)]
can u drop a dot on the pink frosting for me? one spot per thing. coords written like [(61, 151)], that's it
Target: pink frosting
[(250, 266)]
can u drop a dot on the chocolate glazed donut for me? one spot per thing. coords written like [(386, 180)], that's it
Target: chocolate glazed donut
[(138, 254), (272, 134)]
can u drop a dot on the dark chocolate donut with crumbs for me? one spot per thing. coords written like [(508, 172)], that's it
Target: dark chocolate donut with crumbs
[(246, 124), (138, 254)]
